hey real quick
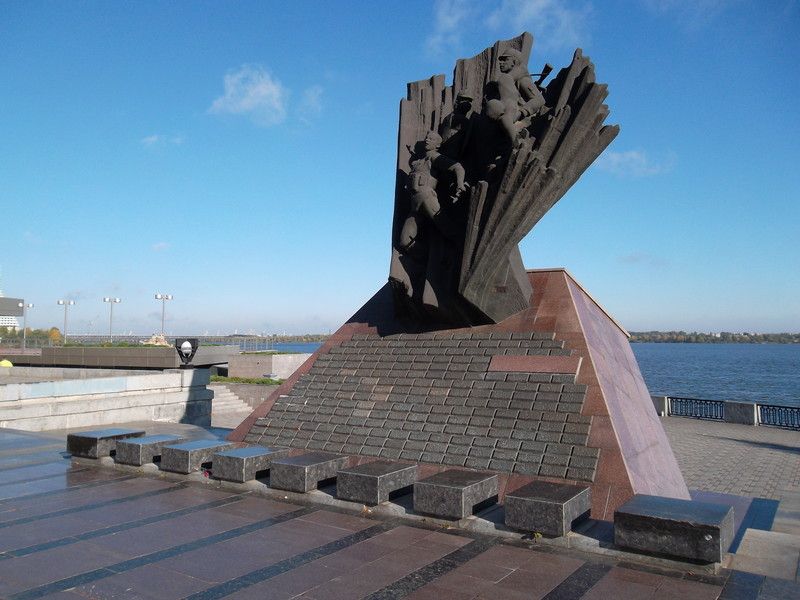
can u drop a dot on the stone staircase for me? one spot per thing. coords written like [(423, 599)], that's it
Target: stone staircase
[(226, 402)]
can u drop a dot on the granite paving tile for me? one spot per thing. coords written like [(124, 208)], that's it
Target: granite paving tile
[(21, 573), (149, 581)]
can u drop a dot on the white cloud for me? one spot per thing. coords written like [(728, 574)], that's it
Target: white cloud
[(311, 103), (553, 23), (160, 246), (251, 91), (634, 163), (691, 14), (157, 139), (449, 16)]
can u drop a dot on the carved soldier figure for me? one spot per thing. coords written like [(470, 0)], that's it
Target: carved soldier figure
[(518, 97), (423, 179), (455, 127)]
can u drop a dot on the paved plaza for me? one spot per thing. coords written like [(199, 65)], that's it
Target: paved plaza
[(74, 529), (736, 459)]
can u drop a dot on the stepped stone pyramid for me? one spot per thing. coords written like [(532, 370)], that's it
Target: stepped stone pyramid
[(434, 398), (550, 393)]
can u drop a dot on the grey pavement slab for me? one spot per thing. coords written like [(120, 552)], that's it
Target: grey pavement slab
[(744, 460), (101, 535)]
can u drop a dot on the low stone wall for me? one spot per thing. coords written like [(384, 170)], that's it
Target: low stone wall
[(279, 366), (252, 394), (177, 396), (146, 357)]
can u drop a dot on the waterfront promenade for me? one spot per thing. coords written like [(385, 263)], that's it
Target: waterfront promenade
[(75, 529)]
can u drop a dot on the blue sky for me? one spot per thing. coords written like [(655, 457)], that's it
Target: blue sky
[(241, 157)]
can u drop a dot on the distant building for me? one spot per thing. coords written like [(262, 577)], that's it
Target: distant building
[(8, 321)]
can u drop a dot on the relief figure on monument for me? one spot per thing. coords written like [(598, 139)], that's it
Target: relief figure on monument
[(513, 99), (479, 163)]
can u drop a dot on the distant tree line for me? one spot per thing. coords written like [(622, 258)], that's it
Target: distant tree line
[(37, 337), (723, 337)]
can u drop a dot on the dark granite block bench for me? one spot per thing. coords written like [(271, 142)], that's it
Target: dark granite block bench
[(190, 456), (372, 483), (143, 450), (304, 472), (98, 443), (454, 494), (698, 531), (242, 464), (548, 508)]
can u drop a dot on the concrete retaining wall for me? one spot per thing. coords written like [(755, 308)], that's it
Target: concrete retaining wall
[(280, 366), (146, 357), (178, 396)]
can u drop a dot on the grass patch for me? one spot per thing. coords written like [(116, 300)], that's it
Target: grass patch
[(252, 380)]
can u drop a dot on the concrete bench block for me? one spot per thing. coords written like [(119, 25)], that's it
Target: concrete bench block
[(143, 450), (302, 473), (548, 508), (371, 483), (190, 456), (242, 464), (98, 443), (454, 494), (698, 531)]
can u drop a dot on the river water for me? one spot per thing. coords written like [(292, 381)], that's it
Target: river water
[(765, 373)]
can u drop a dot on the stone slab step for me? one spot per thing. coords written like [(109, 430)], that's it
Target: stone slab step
[(548, 508), (454, 494), (143, 450), (372, 483), (303, 473), (686, 529), (243, 464), (190, 456), (98, 443)]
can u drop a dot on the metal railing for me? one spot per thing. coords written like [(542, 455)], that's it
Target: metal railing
[(779, 416), (699, 409)]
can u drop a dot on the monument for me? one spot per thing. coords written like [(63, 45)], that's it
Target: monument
[(464, 358)]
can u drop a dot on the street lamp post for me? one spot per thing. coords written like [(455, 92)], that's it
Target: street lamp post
[(24, 308), (66, 304), (111, 303), (163, 298)]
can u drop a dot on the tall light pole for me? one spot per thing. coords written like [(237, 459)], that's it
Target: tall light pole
[(66, 304), (24, 308), (111, 303), (163, 298)]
